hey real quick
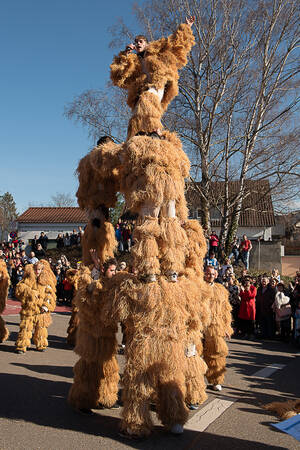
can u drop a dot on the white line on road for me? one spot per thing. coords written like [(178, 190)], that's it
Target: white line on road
[(267, 371), (207, 415), (210, 412)]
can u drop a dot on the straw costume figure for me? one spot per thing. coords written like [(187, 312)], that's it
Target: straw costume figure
[(99, 175), (151, 76), (215, 347), (168, 307), (285, 410), (198, 306), (96, 373), (4, 285), (156, 319), (37, 295)]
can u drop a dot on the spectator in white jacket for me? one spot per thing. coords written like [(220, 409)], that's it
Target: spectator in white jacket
[(283, 312)]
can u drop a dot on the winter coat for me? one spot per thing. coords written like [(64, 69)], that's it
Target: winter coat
[(247, 308), (264, 301)]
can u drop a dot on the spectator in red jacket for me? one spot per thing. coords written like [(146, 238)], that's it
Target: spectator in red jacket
[(67, 292), (247, 308), (245, 248), (213, 243)]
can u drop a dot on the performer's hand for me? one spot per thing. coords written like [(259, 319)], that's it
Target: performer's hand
[(129, 48), (190, 20), (94, 256)]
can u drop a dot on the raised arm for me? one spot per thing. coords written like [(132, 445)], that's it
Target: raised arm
[(181, 42), (124, 68)]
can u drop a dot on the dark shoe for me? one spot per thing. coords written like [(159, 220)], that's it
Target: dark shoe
[(19, 352), (40, 349), (85, 411), (177, 429), (154, 135), (115, 406), (121, 349)]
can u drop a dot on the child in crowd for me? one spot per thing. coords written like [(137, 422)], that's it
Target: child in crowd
[(68, 291), (212, 261), (283, 312), (225, 266), (275, 274)]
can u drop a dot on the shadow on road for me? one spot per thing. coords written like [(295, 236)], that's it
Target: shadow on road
[(43, 402), (62, 371)]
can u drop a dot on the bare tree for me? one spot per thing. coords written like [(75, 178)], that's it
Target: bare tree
[(103, 113), (237, 104), (8, 212), (61, 199)]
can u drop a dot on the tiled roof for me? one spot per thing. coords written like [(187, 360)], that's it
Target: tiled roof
[(53, 215), (257, 207)]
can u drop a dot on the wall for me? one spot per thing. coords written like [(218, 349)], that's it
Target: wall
[(266, 255), (252, 232), (27, 231), (290, 265)]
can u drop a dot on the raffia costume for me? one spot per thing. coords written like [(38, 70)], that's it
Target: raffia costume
[(4, 285), (154, 169), (152, 181), (285, 410), (163, 321), (99, 181), (156, 317), (38, 300), (215, 347), (96, 373), (152, 80)]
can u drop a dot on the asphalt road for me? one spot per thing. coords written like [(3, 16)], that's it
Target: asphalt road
[(34, 413)]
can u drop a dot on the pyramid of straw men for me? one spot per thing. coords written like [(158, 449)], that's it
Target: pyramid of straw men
[(174, 321)]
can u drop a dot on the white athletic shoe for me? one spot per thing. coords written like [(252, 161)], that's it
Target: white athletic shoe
[(177, 428), (217, 387)]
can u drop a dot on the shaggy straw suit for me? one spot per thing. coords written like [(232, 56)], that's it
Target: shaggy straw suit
[(175, 331), (158, 71), (34, 294), (4, 285)]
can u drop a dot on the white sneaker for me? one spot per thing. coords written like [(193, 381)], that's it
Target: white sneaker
[(177, 428), (217, 387)]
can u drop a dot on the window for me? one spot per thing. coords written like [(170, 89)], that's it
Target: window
[(215, 214)]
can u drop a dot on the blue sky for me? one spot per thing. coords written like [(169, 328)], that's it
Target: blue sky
[(50, 52)]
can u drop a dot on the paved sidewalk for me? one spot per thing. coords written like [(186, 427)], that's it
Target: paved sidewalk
[(34, 413)]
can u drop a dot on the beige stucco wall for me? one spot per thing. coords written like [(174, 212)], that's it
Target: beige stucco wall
[(290, 264)]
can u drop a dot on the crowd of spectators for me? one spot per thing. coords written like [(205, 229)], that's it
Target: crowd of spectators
[(13, 252), (69, 240), (124, 230), (262, 307), (240, 250)]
